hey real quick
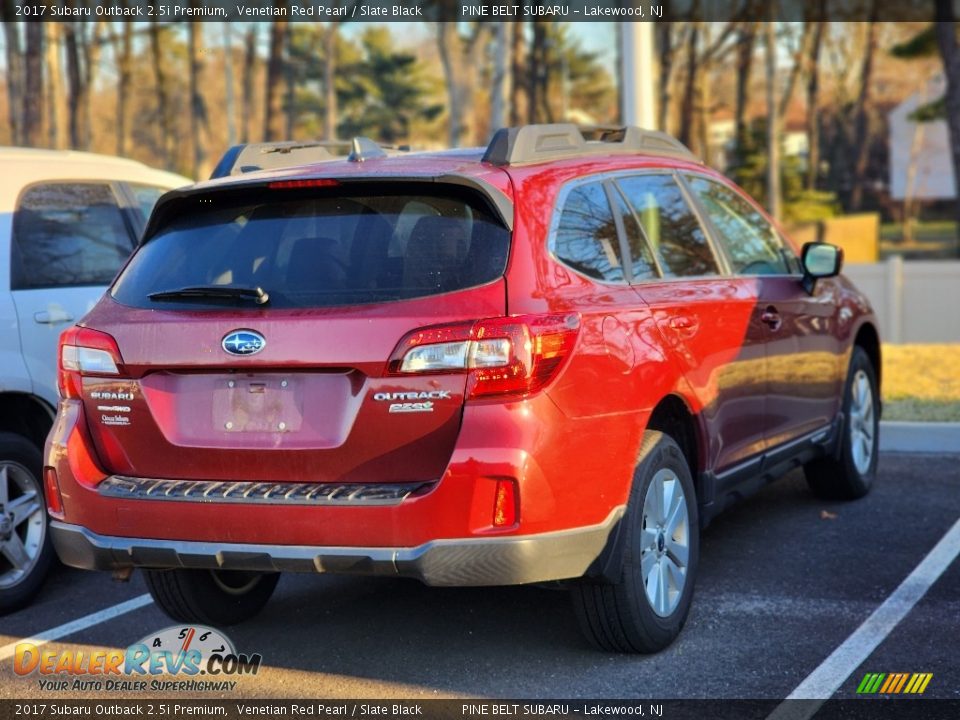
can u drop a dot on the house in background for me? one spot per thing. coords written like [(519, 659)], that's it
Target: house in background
[(920, 166)]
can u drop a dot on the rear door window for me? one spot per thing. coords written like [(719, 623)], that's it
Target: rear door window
[(670, 225), (586, 238), (68, 234), (319, 248)]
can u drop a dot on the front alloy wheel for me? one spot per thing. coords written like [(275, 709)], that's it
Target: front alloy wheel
[(850, 473)]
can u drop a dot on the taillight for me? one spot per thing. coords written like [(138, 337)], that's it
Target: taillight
[(503, 356), (52, 491), (86, 352)]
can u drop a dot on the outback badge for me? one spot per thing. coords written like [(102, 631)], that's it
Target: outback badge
[(243, 342)]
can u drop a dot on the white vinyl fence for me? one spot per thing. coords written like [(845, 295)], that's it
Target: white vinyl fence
[(916, 301)]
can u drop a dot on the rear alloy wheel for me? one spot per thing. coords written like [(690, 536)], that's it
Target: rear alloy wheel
[(647, 606), (210, 597), (25, 549), (850, 475)]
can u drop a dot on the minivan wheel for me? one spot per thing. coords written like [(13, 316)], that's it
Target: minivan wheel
[(25, 548), (211, 597), (644, 610), (850, 475)]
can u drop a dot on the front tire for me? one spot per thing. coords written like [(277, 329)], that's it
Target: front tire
[(25, 548), (850, 475), (210, 597), (645, 609)]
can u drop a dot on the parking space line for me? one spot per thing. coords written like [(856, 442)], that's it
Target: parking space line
[(42, 638), (827, 678)]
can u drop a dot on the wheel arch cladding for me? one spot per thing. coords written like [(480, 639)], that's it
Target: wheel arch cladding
[(673, 417)]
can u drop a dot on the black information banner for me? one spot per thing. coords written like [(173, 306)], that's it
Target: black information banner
[(465, 10), (164, 709)]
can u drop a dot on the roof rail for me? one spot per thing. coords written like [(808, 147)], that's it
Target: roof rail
[(540, 143), (289, 153)]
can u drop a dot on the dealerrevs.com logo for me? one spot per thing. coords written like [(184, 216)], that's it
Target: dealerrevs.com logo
[(202, 658)]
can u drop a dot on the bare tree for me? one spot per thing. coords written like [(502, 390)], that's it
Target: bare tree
[(746, 41), (249, 68), (55, 115), (230, 103), (33, 79), (664, 34), (517, 74), (91, 64), (273, 101), (199, 123), (500, 90), (14, 72), (163, 102), (123, 49), (690, 83), (813, 91), (538, 106), (861, 131), (773, 124), (946, 32), (329, 81), (460, 57)]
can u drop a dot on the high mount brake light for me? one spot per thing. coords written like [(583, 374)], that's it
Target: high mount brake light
[(296, 184), (503, 356), (86, 352)]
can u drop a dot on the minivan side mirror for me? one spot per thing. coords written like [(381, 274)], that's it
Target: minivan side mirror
[(819, 260)]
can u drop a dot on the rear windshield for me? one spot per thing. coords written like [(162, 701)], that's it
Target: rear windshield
[(318, 247)]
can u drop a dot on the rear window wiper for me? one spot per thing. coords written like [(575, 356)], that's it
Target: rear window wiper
[(219, 292)]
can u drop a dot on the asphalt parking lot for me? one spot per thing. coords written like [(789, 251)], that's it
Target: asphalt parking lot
[(784, 580)]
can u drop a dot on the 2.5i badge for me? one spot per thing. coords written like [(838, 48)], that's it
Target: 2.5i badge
[(426, 399)]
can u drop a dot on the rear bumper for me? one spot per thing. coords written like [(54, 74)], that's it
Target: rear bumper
[(508, 560)]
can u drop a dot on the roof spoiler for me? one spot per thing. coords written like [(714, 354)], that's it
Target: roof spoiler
[(559, 141), (251, 157)]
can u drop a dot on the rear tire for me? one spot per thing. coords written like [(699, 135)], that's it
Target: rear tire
[(645, 609), (851, 475), (25, 548), (210, 597)]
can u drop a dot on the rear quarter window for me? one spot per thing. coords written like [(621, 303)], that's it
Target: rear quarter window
[(320, 248)]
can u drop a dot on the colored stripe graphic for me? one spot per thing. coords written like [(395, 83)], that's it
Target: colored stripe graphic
[(894, 683)]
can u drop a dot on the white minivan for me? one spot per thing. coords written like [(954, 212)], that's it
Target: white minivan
[(68, 221)]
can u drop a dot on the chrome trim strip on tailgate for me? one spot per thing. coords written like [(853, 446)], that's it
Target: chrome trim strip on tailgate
[(277, 493)]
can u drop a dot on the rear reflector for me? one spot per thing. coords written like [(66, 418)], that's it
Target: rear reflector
[(509, 355), (51, 488), (505, 504)]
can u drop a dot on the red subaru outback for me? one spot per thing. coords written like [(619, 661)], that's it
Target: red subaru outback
[(555, 359)]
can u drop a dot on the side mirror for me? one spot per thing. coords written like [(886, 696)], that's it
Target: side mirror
[(819, 260)]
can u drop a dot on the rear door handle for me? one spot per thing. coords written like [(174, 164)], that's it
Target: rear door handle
[(46, 317), (771, 318), (684, 325)]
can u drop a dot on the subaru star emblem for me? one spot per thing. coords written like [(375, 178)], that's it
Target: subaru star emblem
[(243, 342)]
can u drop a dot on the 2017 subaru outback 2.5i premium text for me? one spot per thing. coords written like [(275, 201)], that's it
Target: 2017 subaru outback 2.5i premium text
[(552, 360)]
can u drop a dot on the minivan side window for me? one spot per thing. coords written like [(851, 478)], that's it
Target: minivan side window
[(68, 234), (146, 197), (670, 225), (753, 245), (586, 238)]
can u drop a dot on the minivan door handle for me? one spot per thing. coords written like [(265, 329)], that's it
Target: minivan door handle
[(45, 317), (771, 318)]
